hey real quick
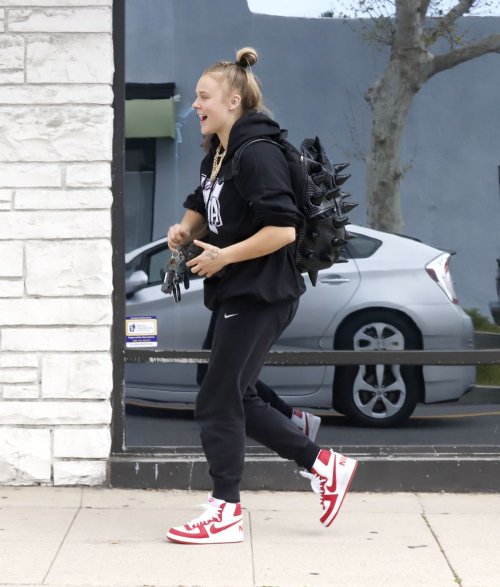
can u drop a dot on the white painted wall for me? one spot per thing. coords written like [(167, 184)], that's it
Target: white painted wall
[(56, 121)]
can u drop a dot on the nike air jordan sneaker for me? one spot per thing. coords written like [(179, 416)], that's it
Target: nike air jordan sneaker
[(306, 423), (220, 523), (331, 476)]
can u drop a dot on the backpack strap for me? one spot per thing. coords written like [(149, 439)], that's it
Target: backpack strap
[(236, 169)]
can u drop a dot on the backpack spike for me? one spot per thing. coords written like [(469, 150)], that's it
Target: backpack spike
[(345, 194), (342, 260), (313, 166), (333, 193), (340, 166), (312, 233), (313, 276), (338, 242), (341, 221), (308, 253), (325, 258), (348, 206), (318, 199), (350, 235), (340, 179)]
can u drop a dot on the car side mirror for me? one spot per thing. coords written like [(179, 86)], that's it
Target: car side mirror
[(136, 281)]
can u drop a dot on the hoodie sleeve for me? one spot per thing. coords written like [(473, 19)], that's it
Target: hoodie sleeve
[(196, 202), (267, 186)]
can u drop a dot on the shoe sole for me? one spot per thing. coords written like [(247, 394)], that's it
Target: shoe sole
[(199, 542), (328, 523)]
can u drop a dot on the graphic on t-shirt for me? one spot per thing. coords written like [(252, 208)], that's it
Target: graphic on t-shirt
[(211, 192)]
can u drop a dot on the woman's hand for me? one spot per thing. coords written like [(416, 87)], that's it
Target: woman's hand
[(176, 234), (209, 262)]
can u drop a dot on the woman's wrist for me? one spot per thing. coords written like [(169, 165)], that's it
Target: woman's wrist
[(227, 254)]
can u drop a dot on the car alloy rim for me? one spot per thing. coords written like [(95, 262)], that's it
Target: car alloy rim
[(379, 390)]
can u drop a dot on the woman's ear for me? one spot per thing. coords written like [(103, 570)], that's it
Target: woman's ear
[(235, 102)]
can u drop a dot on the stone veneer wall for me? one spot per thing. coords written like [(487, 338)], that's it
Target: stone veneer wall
[(56, 127)]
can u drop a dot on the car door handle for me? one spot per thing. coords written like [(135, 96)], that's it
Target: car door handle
[(333, 279)]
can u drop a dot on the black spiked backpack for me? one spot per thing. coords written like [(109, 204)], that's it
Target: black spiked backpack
[(316, 183)]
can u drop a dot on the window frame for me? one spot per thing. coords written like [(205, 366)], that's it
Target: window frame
[(122, 457)]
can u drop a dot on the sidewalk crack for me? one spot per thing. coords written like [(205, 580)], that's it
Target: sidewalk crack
[(421, 503), (251, 545), (64, 538), (457, 578)]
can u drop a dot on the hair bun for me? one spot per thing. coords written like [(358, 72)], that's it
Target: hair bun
[(247, 56), (234, 79)]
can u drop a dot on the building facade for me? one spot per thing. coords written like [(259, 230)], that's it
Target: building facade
[(59, 269)]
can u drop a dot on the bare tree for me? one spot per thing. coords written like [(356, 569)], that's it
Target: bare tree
[(409, 29)]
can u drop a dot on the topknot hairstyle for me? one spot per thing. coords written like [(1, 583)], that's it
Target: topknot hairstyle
[(241, 80)]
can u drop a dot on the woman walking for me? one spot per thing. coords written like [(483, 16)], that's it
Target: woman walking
[(255, 299), (307, 423)]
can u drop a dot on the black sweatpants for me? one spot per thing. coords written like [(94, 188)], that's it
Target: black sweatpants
[(263, 391), (227, 405)]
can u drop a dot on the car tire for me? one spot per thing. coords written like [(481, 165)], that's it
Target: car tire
[(356, 390)]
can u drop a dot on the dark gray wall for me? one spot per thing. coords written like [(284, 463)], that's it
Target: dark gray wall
[(313, 73)]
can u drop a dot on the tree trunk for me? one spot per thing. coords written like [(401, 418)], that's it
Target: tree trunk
[(390, 100), (410, 66)]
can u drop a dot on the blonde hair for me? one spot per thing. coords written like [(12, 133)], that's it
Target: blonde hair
[(241, 81)]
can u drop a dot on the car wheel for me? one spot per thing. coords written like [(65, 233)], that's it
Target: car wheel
[(377, 395)]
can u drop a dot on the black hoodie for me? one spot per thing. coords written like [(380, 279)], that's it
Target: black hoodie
[(268, 200)]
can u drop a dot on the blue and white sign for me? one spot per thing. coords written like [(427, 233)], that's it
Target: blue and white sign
[(141, 331)]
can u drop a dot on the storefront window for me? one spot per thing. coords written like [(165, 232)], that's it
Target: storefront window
[(432, 285)]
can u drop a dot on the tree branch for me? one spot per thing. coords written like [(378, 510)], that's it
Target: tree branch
[(446, 21), (448, 60), (424, 7)]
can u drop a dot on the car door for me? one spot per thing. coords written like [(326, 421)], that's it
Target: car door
[(181, 326), (317, 308)]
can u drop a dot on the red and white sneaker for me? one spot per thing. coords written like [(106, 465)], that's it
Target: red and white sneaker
[(306, 423), (220, 523), (331, 476)]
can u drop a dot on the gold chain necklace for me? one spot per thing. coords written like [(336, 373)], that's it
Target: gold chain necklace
[(217, 164)]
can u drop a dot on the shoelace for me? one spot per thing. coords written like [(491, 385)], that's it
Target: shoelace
[(210, 512), (317, 482)]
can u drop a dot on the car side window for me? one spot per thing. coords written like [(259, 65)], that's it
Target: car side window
[(156, 265), (362, 247)]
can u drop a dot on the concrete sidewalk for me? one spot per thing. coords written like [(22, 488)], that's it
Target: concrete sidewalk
[(87, 536)]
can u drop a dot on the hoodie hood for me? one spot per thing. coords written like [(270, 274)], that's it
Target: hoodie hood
[(251, 125)]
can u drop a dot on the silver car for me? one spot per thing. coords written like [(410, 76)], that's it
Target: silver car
[(395, 293)]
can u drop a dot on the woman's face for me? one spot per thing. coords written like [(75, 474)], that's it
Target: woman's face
[(213, 104)]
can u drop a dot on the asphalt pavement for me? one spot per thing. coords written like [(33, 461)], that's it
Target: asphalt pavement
[(472, 421)]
